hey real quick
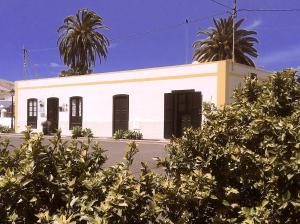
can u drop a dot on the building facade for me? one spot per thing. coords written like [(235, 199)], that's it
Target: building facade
[(158, 102)]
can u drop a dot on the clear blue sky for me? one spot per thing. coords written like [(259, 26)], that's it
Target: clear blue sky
[(143, 33)]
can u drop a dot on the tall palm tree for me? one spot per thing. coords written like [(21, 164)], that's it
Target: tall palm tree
[(218, 44), (80, 42)]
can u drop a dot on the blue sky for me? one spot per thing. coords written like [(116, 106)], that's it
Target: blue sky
[(143, 33)]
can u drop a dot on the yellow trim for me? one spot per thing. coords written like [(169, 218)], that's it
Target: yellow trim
[(121, 81), (16, 107), (124, 71), (222, 83)]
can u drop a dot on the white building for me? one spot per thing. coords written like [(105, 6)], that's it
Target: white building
[(5, 102), (158, 102)]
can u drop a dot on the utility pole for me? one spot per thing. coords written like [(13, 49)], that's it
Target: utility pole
[(233, 31), (24, 62)]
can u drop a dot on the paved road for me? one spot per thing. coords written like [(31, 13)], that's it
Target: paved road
[(116, 151)]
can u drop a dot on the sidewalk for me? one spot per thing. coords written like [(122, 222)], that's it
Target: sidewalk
[(148, 141)]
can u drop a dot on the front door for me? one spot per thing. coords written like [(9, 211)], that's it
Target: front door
[(182, 110), (120, 112), (52, 113)]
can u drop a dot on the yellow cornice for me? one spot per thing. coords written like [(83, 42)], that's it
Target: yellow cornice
[(123, 71), (120, 81)]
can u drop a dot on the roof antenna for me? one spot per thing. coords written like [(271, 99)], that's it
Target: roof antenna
[(25, 52), (186, 40)]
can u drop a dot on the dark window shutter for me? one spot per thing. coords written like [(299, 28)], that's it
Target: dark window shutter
[(168, 115), (196, 109)]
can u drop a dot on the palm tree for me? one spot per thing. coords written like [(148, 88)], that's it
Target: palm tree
[(218, 44), (80, 42)]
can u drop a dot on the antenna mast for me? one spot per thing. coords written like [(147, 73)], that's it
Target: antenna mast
[(233, 31), (24, 61), (186, 40)]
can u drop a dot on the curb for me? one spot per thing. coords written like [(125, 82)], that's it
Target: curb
[(150, 141)]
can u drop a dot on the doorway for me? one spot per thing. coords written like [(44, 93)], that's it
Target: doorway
[(120, 112), (53, 113), (182, 110)]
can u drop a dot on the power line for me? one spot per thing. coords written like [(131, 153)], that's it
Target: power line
[(147, 32), (43, 49), (219, 3), (269, 10)]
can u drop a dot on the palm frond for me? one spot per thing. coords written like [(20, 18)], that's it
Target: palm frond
[(218, 44)]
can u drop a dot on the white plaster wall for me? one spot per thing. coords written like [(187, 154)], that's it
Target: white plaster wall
[(146, 104), (245, 70), (5, 121), (237, 74), (146, 99)]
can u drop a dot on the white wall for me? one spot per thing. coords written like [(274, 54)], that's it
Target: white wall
[(145, 90), (5, 121), (237, 74)]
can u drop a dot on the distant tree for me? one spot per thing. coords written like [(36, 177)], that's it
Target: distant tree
[(219, 42), (80, 43)]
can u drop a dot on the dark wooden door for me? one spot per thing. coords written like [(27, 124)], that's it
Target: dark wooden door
[(196, 109), (169, 115), (182, 110), (53, 113), (120, 112)]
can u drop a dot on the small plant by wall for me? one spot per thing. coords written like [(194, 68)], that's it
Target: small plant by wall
[(4, 129), (78, 132), (128, 134)]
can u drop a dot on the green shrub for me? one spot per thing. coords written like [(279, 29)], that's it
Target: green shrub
[(5, 129), (133, 135), (128, 134), (119, 134), (243, 166), (78, 132)]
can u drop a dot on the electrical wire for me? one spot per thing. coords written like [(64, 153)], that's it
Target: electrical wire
[(268, 10), (147, 32), (219, 3)]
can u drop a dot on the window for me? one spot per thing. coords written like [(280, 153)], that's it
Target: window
[(75, 112), (32, 113)]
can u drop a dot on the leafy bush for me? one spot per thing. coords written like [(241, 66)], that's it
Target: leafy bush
[(243, 166), (133, 135), (4, 129), (128, 134), (119, 134), (78, 132), (63, 183)]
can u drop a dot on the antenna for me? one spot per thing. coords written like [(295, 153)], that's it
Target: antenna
[(233, 31), (24, 62), (186, 40)]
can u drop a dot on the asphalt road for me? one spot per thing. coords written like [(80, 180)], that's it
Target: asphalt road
[(115, 150)]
